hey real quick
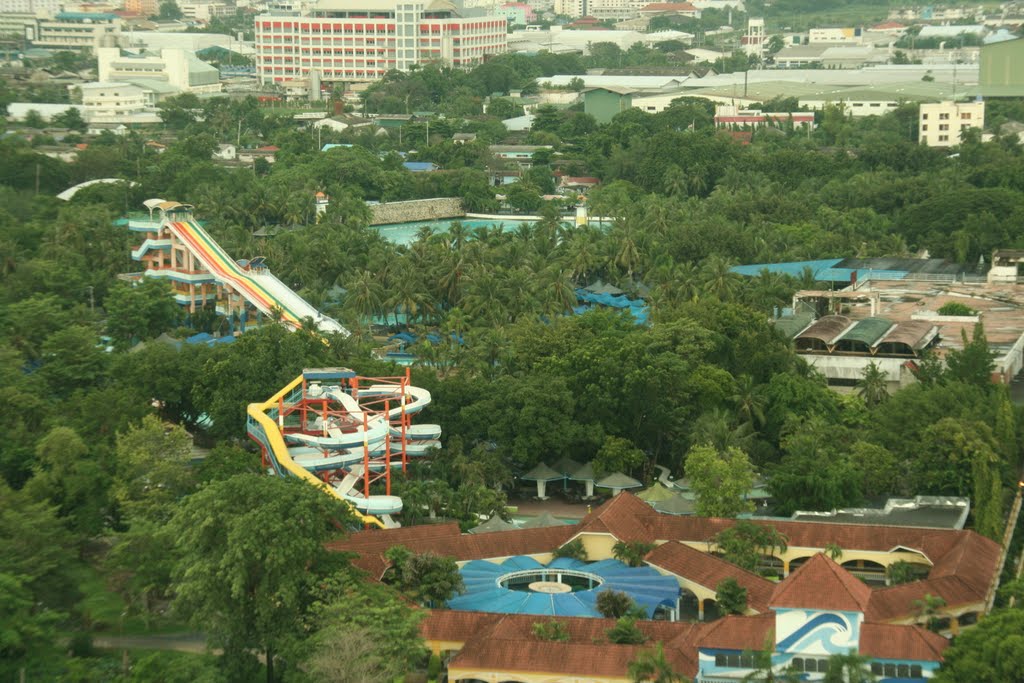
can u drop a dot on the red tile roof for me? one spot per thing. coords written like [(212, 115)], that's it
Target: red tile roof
[(507, 643), (964, 562), (709, 571), (820, 583), (892, 641), (624, 516), (740, 633), (446, 539)]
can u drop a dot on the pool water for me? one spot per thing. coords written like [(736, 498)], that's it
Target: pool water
[(405, 233)]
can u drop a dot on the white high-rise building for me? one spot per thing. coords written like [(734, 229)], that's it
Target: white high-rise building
[(941, 124), (361, 40)]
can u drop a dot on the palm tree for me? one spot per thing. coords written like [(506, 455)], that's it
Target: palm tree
[(613, 604), (749, 400), (364, 297), (675, 183), (927, 608), (555, 291), (834, 551), (872, 385), (631, 553), (718, 279), (849, 668), (651, 665)]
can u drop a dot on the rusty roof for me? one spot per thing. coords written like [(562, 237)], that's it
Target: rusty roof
[(914, 333), (820, 583), (826, 329), (708, 571)]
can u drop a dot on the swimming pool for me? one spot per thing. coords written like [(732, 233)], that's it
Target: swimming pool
[(405, 233)]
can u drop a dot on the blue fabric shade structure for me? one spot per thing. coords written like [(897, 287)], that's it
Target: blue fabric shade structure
[(486, 589)]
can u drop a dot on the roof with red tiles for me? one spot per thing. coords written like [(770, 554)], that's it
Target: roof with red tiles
[(964, 563), (740, 633), (708, 571), (507, 643), (820, 583), (891, 641), (449, 541), (624, 516)]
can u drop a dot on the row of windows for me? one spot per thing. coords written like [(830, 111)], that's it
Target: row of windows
[(896, 670), (964, 116), (818, 665)]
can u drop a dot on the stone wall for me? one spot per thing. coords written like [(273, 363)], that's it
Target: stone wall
[(416, 210)]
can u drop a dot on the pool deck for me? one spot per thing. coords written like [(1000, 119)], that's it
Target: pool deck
[(556, 507)]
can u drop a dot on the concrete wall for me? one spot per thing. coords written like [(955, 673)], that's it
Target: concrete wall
[(416, 210)]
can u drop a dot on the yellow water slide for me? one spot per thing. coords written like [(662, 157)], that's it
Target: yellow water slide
[(274, 440)]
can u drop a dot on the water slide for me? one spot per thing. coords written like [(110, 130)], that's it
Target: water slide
[(260, 288), (330, 449)]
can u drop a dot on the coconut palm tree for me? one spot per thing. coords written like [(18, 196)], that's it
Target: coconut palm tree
[(652, 666), (364, 297), (718, 279), (872, 385), (749, 400), (849, 668)]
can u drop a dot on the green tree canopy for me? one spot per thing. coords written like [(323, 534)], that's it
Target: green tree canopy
[(720, 480), (250, 550)]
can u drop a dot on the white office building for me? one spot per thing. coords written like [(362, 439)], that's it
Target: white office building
[(942, 124)]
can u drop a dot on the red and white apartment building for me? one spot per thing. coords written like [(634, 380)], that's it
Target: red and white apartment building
[(361, 40)]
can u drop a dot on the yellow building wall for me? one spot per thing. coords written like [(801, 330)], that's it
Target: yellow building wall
[(457, 674)]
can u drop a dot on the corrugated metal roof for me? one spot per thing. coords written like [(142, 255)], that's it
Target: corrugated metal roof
[(791, 326), (869, 331), (827, 329), (914, 333)]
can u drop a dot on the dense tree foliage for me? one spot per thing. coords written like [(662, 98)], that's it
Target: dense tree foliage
[(95, 460)]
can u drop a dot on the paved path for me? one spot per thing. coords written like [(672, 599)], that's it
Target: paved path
[(179, 642)]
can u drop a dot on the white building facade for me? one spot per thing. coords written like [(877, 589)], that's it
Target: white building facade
[(345, 40), (179, 68), (941, 124)]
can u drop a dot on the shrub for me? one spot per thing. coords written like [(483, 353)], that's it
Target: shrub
[(956, 308)]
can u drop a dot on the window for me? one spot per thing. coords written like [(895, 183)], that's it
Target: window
[(943, 117), (943, 138), (966, 116), (943, 126), (889, 670), (924, 117), (965, 126), (924, 126), (915, 671)]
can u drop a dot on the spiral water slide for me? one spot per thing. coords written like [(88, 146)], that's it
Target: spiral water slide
[(324, 447), (258, 286)]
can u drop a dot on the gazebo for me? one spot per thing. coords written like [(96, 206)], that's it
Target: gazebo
[(676, 505), (566, 466), (618, 482), (545, 519), (655, 493), (495, 523), (585, 474), (542, 474)]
